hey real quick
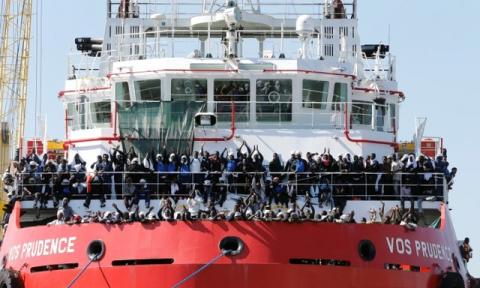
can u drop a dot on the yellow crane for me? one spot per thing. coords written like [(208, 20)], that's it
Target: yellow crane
[(16, 19)]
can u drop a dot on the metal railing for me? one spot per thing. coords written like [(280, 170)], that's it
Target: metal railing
[(161, 43), (342, 185), (172, 9)]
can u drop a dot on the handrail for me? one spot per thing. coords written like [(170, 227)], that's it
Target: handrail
[(347, 134)]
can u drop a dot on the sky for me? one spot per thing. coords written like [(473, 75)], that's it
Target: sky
[(436, 44)]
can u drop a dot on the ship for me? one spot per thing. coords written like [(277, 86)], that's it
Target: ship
[(218, 76)]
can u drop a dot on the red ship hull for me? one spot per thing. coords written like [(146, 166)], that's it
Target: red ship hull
[(268, 259)]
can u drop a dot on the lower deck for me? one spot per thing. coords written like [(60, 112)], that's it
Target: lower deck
[(278, 254)]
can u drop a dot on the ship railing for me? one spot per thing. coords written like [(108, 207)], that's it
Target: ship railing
[(344, 185), (162, 43), (186, 9), (82, 65)]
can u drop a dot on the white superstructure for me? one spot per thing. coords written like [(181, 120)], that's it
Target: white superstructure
[(284, 76)]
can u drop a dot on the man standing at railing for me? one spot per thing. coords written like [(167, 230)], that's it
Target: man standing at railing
[(397, 167), (466, 250)]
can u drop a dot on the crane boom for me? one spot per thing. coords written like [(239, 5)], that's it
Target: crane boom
[(16, 16)]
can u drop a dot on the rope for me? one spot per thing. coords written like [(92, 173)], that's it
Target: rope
[(74, 280), (209, 263)]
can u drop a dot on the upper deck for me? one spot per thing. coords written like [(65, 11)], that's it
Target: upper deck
[(296, 69)]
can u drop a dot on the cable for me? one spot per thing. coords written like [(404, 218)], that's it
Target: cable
[(74, 280), (209, 263)]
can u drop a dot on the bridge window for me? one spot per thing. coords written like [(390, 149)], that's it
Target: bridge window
[(122, 94), (228, 91), (315, 94), (340, 95), (100, 114), (148, 90), (361, 113), (393, 117), (189, 90), (274, 100)]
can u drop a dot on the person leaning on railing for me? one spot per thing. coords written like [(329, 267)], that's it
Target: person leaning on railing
[(408, 177)]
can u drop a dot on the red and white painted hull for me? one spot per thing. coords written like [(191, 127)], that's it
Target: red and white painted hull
[(265, 261)]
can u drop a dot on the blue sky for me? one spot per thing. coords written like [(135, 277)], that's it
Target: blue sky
[(436, 44)]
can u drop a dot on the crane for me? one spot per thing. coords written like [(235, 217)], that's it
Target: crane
[(16, 19)]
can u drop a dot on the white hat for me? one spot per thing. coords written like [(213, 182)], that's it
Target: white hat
[(135, 160), (33, 163), (344, 217)]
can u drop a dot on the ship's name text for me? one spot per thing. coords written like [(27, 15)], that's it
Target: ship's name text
[(418, 248), (45, 247)]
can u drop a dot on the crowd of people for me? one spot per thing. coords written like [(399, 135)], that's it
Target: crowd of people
[(244, 209), (210, 178)]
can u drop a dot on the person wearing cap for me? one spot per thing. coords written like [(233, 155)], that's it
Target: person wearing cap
[(196, 168), (134, 170), (300, 167), (279, 192)]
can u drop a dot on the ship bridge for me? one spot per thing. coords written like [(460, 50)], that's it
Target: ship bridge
[(221, 73)]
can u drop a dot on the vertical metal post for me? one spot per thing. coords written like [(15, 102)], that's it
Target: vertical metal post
[(366, 186)]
